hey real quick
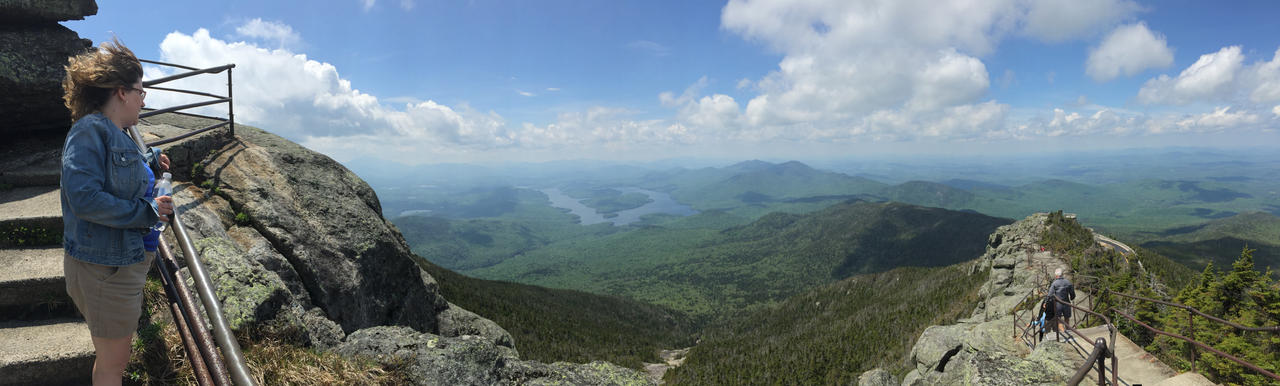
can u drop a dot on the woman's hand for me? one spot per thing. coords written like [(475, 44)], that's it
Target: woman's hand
[(164, 206), (164, 162)]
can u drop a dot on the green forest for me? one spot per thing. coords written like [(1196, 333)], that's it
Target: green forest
[(831, 334), (776, 272), (552, 325), (708, 273)]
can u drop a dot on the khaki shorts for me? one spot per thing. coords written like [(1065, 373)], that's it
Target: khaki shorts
[(110, 298)]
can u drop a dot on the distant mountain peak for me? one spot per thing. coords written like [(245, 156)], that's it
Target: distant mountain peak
[(754, 164)]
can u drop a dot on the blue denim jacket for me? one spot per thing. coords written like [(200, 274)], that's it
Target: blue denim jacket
[(104, 211)]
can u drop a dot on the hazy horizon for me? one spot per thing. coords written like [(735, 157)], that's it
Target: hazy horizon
[(419, 82)]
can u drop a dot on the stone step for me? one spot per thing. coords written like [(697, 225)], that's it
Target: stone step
[(1187, 379), (32, 284), (30, 216), (56, 352), (31, 161), (43, 175)]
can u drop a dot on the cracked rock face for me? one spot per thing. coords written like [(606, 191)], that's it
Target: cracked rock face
[(28, 12), (33, 54), (32, 66), (327, 226), (980, 350), (317, 260), (473, 360)]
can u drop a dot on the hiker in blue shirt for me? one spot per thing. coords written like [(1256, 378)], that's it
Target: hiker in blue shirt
[(1062, 288)]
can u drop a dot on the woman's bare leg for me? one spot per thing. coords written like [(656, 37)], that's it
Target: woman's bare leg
[(112, 358)]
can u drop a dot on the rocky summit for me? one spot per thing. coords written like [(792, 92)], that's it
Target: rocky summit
[(980, 349), (295, 241)]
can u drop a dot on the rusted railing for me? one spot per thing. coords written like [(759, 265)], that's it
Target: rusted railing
[(1191, 312), (1101, 351), (1107, 351), (209, 368), (1025, 332), (1098, 355), (1238, 361), (229, 121)]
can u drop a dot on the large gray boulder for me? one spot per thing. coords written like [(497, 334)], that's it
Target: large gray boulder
[(979, 350), (456, 321), (32, 65), (327, 224), (993, 368), (877, 377), (318, 260), (26, 12), (473, 360)]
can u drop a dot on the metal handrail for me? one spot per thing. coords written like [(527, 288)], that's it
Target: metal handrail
[(1111, 328), (188, 134), (1098, 355), (183, 107), (229, 121), (233, 365), (1198, 312), (213, 309), (210, 70), (195, 336), (1201, 345), (1191, 321)]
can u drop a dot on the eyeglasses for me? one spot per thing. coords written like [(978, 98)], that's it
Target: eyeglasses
[(141, 92)]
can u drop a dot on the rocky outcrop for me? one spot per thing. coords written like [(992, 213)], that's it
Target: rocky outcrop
[(326, 232), (296, 244), (471, 360), (877, 377), (33, 52), (980, 350), (45, 11)]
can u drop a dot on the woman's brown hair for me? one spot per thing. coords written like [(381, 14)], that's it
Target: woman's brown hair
[(93, 75)]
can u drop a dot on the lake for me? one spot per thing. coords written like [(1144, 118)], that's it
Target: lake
[(662, 203)]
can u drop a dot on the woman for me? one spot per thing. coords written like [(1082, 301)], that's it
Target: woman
[(105, 211)]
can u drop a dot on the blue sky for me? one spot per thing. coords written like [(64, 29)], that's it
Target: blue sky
[(416, 81)]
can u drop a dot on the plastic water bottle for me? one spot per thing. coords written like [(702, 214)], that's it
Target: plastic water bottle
[(164, 187)]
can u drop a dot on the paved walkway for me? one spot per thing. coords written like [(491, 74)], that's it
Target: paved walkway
[(1135, 365)]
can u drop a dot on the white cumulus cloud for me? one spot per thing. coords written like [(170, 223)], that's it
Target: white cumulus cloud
[(896, 69), (309, 102), (1209, 78), (1128, 50), (269, 31), (1059, 20), (1265, 79), (715, 112), (1220, 118)]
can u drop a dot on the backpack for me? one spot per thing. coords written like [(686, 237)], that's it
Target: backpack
[(1046, 307)]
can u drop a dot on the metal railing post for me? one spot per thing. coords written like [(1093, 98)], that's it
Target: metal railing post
[(1102, 368), (1191, 329), (195, 336), (231, 105)]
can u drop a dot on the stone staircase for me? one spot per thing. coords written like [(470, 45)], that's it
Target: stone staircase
[(43, 340)]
